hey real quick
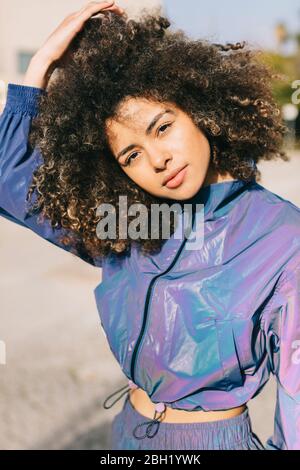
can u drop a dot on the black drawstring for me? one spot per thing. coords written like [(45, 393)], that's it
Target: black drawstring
[(160, 408), (109, 406), (126, 387), (154, 422)]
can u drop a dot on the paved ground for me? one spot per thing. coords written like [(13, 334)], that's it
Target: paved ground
[(59, 367)]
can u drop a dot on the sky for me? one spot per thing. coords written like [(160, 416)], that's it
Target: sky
[(235, 20)]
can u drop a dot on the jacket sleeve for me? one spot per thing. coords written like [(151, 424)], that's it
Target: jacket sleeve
[(17, 163), (282, 328)]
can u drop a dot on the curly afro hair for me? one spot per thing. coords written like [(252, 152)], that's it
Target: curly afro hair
[(225, 89)]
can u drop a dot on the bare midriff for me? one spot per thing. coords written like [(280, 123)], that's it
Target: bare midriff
[(143, 405)]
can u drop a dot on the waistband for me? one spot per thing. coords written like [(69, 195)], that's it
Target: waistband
[(240, 423), (232, 421)]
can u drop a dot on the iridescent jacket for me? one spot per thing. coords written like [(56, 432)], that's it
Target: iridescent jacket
[(196, 329)]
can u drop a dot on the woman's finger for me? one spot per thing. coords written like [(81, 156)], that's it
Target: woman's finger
[(116, 9), (58, 41), (92, 8)]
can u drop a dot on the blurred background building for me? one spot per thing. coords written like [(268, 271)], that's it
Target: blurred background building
[(24, 26), (59, 367)]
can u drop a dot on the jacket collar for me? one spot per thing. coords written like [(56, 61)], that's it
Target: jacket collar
[(217, 198)]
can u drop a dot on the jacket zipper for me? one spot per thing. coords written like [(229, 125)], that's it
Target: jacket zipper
[(149, 291)]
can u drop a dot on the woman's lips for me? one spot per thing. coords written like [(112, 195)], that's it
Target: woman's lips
[(178, 179)]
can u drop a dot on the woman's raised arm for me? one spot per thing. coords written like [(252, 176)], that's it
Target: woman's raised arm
[(17, 159), (43, 62)]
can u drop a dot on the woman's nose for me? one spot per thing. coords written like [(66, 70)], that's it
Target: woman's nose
[(159, 160)]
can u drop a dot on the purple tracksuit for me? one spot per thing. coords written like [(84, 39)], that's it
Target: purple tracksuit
[(197, 329)]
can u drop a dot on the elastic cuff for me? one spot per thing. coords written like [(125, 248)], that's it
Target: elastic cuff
[(23, 98)]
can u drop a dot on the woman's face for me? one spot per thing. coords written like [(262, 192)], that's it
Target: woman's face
[(152, 141)]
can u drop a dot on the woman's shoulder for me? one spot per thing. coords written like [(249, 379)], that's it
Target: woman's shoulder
[(274, 208), (271, 223)]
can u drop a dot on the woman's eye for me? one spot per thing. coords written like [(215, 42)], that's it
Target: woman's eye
[(131, 157), (164, 126), (128, 161)]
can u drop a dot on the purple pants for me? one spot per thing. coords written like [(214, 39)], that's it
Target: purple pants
[(228, 434)]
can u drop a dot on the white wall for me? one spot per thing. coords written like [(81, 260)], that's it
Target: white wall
[(26, 25)]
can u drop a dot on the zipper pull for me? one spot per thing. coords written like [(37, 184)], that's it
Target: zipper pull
[(126, 389), (160, 408)]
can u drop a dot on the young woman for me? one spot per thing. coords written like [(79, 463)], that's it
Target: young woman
[(134, 110)]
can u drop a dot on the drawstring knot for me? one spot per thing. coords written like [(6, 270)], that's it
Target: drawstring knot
[(160, 409)]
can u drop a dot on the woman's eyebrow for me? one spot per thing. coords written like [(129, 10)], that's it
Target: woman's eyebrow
[(148, 130), (156, 118)]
